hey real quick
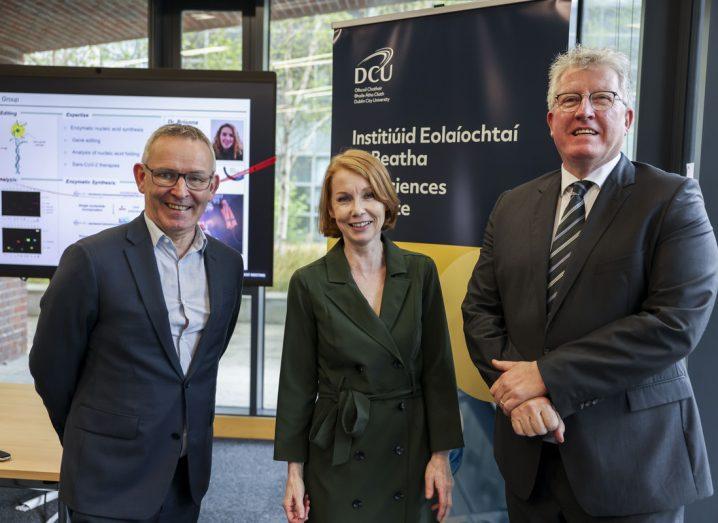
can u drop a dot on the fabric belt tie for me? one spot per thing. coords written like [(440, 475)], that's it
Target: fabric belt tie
[(348, 418)]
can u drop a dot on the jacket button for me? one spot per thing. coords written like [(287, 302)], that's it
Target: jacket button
[(357, 504), (399, 495), (402, 405), (546, 350), (398, 450), (175, 435), (186, 385), (397, 364), (359, 455), (360, 369)]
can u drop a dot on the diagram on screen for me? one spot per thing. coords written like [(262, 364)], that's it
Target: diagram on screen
[(18, 136), (67, 161)]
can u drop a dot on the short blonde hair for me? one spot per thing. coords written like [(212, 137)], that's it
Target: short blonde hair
[(175, 130), (369, 168)]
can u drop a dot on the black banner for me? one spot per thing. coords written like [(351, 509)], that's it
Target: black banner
[(454, 103)]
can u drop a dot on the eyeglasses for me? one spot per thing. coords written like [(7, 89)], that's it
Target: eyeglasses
[(168, 178), (600, 100)]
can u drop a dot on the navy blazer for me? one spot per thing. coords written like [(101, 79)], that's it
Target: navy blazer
[(106, 368), (634, 302)]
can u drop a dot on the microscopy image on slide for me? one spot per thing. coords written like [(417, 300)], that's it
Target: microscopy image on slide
[(223, 219), (20, 203), (21, 241)]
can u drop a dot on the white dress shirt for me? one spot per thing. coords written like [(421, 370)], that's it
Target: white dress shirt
[(598, 177)]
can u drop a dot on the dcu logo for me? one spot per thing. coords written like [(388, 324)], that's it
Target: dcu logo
[(381, 71)]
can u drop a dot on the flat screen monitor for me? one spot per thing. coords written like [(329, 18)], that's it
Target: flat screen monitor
[(69, 138)]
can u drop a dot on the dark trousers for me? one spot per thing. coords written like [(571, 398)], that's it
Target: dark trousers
[(553, 501), (178, 506)]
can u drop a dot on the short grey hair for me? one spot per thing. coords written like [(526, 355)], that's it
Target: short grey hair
[(176, 130), (584, 57)]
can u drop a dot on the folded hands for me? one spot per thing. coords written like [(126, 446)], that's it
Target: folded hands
[(521, 394)]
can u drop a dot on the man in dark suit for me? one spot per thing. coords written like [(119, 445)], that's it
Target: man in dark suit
[(128, 342), (593, 285)]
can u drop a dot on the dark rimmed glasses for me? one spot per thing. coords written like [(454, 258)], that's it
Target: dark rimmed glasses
[(168, 178), (599, 100)]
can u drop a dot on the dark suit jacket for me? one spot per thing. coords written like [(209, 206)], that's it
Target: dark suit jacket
[(633, 304), (105, 365), (385, 384)]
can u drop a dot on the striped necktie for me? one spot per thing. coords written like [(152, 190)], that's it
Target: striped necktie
[(569, 228)]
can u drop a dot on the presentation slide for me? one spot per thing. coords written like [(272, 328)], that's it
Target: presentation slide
[(66, 167)]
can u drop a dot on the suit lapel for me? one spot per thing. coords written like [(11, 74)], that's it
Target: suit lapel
[(344, 293), (396, 284), (541, 235), (141, 258), (213, 270), (614, 192)]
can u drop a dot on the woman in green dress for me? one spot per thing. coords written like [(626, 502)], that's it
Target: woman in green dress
[(367, 409)]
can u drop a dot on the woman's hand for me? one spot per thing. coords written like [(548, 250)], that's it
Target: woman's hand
[(438, 482), (296, 501)]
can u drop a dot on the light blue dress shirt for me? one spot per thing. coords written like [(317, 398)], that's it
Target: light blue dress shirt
[(184, 286), (186, 293)]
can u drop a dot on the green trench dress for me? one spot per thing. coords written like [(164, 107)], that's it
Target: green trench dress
[(365, 399)]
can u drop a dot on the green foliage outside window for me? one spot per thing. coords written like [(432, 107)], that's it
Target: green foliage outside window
[(218, 49), (128, 53)]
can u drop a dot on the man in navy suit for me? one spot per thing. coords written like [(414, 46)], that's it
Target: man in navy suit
[(128, 343), (594, 284)]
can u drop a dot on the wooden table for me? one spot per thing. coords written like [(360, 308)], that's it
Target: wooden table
[(26, 433)]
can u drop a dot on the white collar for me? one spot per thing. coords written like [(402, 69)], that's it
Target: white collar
[(597, 176)]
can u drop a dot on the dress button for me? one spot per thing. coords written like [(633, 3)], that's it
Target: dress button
[(175, 435), (357, 504), (397, 364), (360, 369), (359, 455), (402, 405), (399, 495), (398, 450)]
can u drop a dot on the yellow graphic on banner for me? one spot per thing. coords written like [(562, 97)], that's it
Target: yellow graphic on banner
[(455, 265)]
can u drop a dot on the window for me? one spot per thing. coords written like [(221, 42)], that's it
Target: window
[(233, 377), (616, 24), (212, 40)]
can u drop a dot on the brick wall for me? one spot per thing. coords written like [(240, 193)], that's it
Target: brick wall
[(13, 318)]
